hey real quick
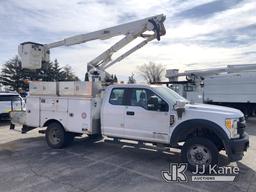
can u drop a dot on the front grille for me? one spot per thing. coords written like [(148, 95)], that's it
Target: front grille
[(241, 119), (241, 126)]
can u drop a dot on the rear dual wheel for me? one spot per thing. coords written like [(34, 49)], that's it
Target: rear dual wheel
[(57, 137)]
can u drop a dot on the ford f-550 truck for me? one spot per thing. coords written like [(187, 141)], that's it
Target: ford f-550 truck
[(154, 114)]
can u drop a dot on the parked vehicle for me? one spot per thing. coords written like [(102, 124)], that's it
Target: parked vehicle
[(10, 101), (143, 113), (231, 86)]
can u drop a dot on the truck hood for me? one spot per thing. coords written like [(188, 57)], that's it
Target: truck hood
[(214, 109)]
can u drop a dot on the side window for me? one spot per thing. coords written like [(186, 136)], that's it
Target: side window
[(148, 100), (139, 98), (156, 103), (117, 96)]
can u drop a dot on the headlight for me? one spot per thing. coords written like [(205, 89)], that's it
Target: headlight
[(231, 125)]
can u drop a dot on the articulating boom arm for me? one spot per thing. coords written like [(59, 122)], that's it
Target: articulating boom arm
[(33, 55), (173, 74)]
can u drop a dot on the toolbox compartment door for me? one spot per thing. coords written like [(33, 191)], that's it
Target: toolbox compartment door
[(79, 116), (32, 111)]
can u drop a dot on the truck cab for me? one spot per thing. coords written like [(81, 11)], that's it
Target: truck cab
[(138, 111)]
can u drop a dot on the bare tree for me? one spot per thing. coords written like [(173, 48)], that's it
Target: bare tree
[(151, 72)]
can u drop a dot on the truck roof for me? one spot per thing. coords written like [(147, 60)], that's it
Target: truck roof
[(134, 85)]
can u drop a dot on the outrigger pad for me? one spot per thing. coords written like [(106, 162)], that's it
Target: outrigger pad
[(26, 129), (12, 126)]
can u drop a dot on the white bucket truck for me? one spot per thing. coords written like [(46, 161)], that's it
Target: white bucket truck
[(231, 86), (144, 113)]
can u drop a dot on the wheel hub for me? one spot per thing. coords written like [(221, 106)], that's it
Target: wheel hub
[(199, 155)]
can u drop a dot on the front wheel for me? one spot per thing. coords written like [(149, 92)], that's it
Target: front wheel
[(199, 153)]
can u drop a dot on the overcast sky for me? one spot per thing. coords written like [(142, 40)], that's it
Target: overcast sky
[(200, 33)]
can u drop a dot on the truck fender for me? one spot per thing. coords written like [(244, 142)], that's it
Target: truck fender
[(51, 121), (188, 127)]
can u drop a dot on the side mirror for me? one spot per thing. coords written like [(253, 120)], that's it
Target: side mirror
[(179, 106), (164, 107), (152, 104)]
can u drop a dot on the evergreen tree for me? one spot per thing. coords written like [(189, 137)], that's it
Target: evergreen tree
[(115, 79), (86, 78), (68, 75), (56, 71), (131, 79), (13, 76)]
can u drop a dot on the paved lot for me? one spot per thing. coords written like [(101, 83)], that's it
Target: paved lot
[(28, 164)]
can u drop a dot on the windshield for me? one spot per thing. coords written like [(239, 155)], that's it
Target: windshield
[(10, 98), (170, 95)]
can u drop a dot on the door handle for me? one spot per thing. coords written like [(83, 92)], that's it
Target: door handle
[(130, 113)]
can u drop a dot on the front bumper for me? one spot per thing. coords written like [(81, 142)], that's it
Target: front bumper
[(237, 147), (4, 116)]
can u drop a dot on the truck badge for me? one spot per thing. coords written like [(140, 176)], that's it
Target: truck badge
[(172, 120)]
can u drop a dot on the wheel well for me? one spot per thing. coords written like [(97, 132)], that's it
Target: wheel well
[(56, 121), (206, 133), (199, 128), (51, 121)]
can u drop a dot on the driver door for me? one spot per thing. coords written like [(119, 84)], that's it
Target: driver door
[(146, 116)]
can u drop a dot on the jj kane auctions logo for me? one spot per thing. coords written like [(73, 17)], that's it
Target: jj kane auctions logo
[(177, 172)]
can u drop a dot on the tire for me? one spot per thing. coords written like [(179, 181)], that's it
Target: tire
[(199, 153), (56, 136)]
